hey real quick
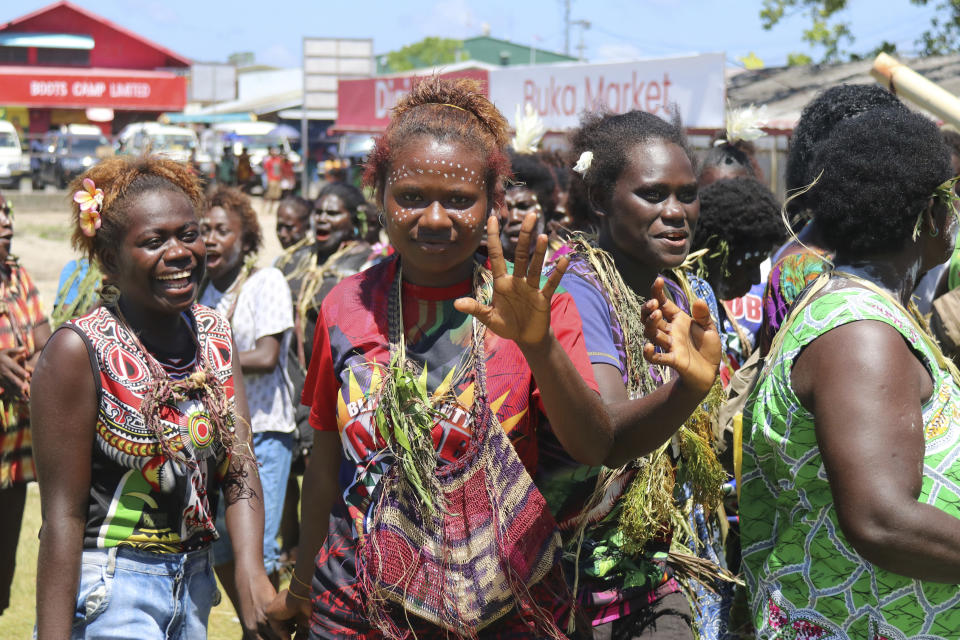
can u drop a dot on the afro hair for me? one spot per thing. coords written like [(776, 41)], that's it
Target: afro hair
[(880, 170), (818, 120), (741, 212), (531, 172)]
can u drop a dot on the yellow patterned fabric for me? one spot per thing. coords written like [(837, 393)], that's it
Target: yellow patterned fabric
[(20, 313)]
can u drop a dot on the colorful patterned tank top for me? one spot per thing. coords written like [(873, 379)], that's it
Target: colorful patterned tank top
[(806, 580), (138, 496)]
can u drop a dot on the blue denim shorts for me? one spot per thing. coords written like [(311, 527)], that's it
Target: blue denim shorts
[(128, 593)]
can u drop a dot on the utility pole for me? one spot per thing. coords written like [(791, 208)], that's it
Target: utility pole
[(566, 27), (584, 25)]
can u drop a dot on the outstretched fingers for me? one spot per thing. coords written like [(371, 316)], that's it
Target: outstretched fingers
[(659, 358), (498, 264), (550, 287), (658, 292), (536, 263), (521, 255), (700, 313)]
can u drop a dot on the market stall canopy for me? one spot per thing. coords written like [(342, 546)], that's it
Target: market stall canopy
[(259, 106), (205, 118)]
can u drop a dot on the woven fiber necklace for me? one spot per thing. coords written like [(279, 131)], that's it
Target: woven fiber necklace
[(204, 429)]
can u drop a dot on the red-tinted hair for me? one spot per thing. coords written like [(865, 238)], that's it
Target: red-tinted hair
[(445, 110)]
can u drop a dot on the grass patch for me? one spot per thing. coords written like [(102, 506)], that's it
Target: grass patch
[(55, 232)]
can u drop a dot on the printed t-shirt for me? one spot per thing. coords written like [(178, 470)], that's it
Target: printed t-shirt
[(351, 336), (263, 308), (273, 168), (612, 582), (140, 497)]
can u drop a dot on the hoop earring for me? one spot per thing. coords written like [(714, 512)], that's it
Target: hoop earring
[(380, 218), (934, 232), (109, 293)]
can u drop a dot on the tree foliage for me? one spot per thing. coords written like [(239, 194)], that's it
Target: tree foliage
[(832, 35), (428, 52)]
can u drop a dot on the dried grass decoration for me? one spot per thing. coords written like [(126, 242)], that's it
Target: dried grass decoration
[(310, 276), (208, 430), (459, 545), (650, 508)]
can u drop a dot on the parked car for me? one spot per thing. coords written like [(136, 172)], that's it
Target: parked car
[(67, 152), (13, 164), (177, 143)]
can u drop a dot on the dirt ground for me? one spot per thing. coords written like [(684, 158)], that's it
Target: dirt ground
[(42, 242)]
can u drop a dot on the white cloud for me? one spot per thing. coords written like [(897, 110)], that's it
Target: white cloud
[(610, 52), (450, 19), (279, 55)]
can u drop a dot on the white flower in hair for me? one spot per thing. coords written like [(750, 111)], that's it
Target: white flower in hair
[(530, 130), (583, 163), (745, 124)]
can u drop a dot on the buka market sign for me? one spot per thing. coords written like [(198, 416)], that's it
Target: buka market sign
[(693, 85)]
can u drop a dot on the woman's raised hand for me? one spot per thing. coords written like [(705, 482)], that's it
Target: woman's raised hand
[(519, 309), (689, 345)]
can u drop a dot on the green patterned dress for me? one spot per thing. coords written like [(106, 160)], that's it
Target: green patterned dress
[(806, 580)]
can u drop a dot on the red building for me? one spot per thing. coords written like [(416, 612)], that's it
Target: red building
[(63, 65)]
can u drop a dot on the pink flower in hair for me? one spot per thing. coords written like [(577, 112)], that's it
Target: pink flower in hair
[(90, 199)]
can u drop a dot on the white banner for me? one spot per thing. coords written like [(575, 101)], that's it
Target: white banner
[(560, 93)]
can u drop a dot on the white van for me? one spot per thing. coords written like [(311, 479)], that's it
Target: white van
[(13, 165), (176, 143)]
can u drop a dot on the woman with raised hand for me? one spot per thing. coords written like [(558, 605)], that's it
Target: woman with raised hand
[(637, 172), (439, 529), (139, 421), (848, 511)]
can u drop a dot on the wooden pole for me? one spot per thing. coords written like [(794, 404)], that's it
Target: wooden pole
[(909, 84)]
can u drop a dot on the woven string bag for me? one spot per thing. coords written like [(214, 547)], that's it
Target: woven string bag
[(472, 561)]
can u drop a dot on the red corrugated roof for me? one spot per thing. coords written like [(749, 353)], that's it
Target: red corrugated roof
[(177, 58)]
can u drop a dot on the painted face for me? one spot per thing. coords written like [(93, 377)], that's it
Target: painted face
[(332, 223), (159, 262), (744, 272), (560, 218), (6, 228), (435, 203), (518, 202), (722, 172), (292, 225), (222, 234), (655, 206)]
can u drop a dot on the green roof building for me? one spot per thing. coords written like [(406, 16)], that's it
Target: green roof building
[(489, 50)]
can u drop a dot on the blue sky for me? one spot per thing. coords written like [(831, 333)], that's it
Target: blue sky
[(209, 30)]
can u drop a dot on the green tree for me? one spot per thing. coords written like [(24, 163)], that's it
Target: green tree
[(428, 52), (830, 34)]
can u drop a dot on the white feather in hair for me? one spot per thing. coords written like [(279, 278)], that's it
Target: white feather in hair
[(745, 124), (530, 130)]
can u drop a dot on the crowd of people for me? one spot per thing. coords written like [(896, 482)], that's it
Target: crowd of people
[(502, 392)]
